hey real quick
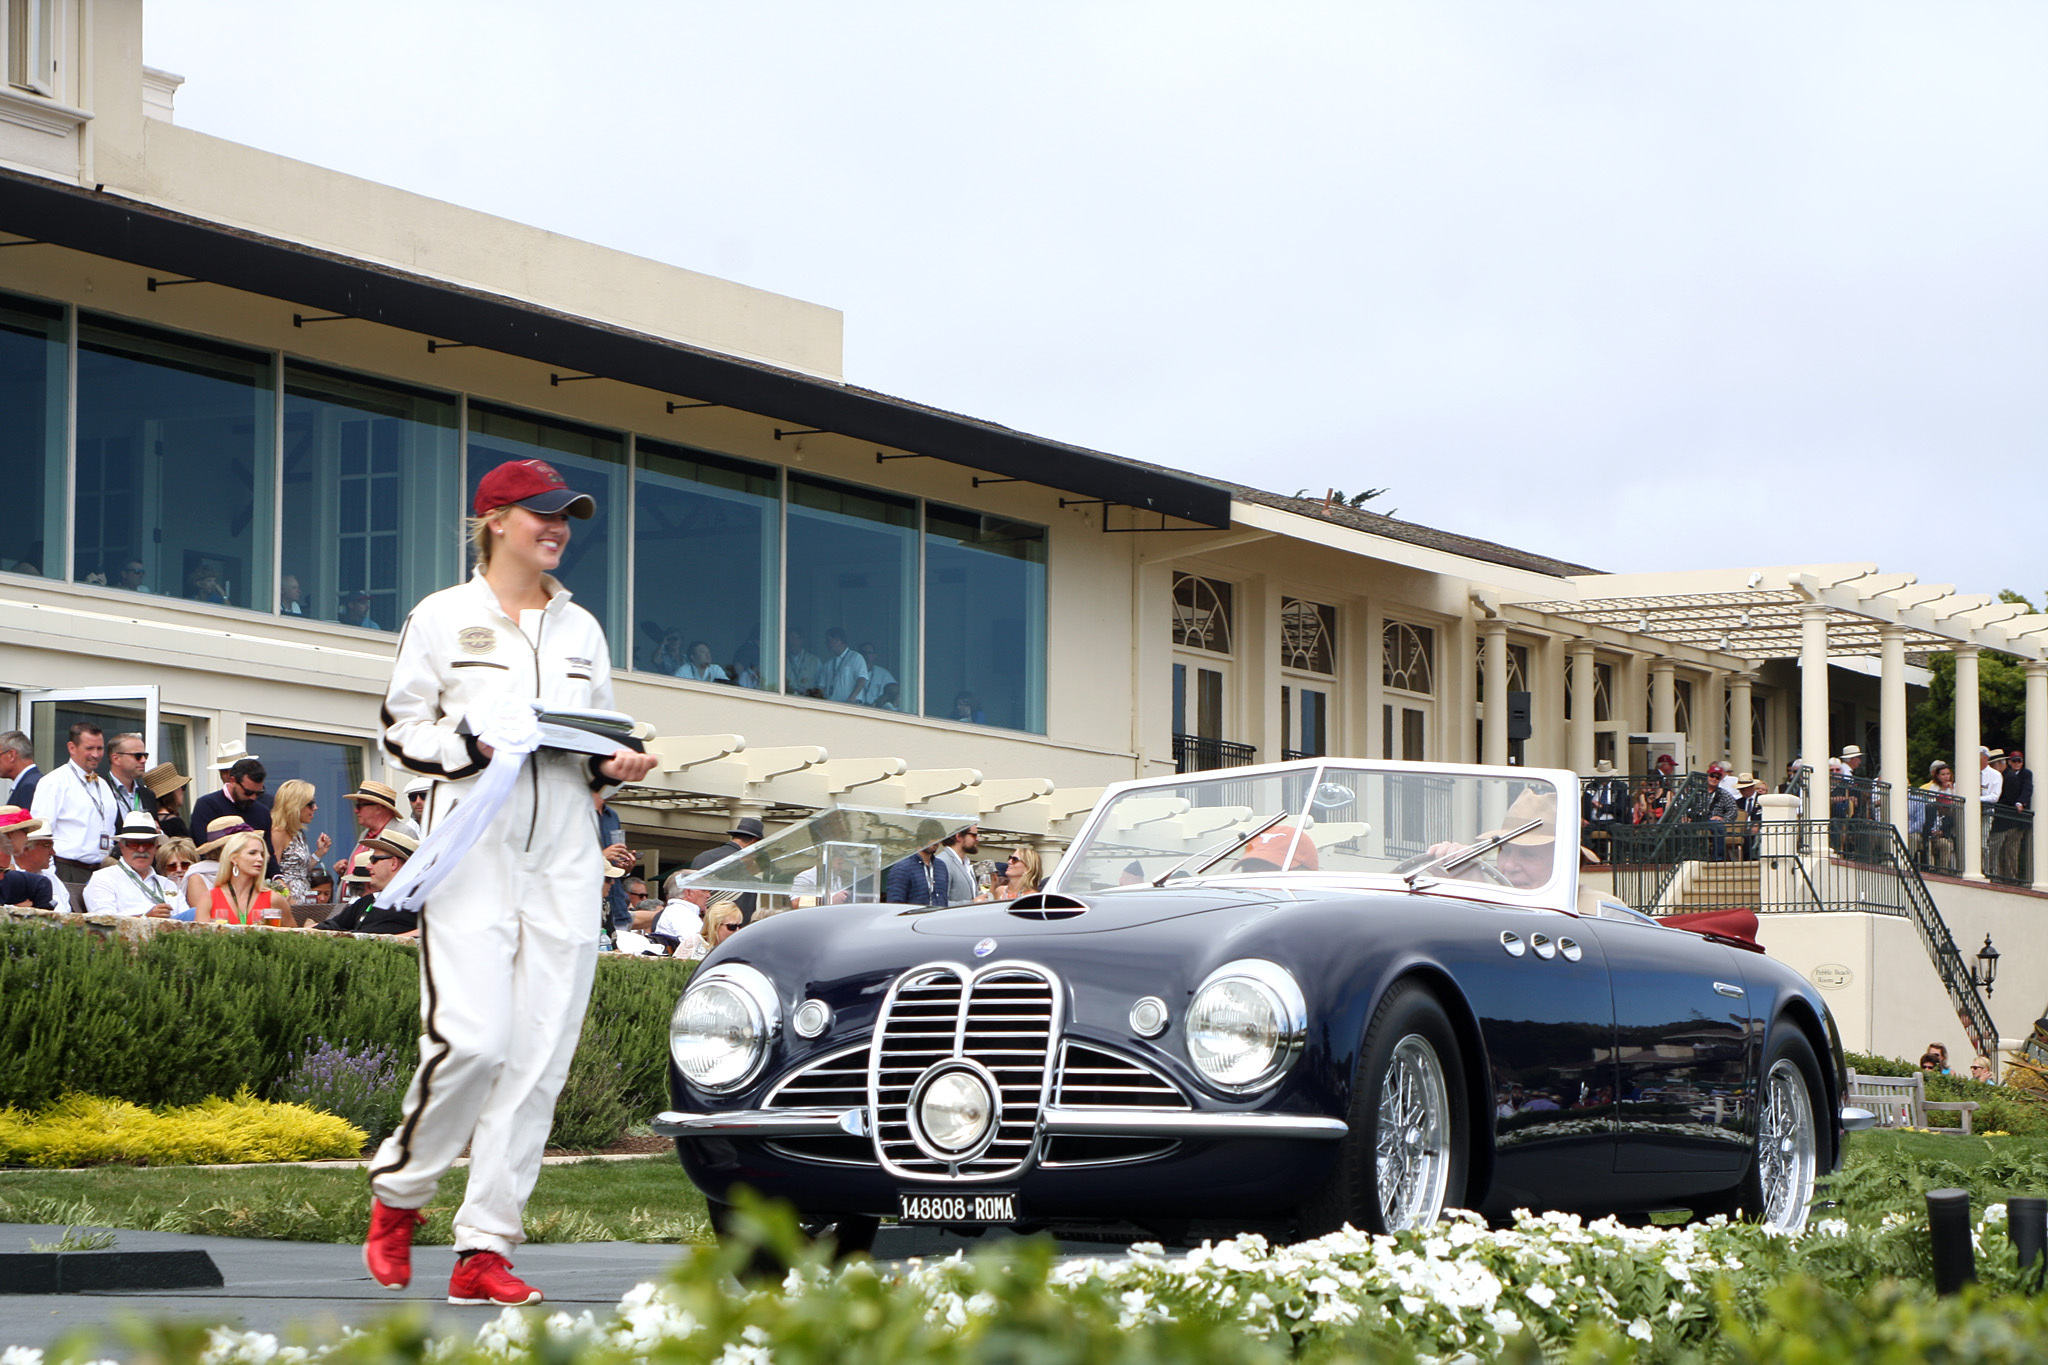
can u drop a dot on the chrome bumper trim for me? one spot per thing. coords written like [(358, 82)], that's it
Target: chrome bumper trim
[(1187, 1123), (767, 1123), (1856, 1120)]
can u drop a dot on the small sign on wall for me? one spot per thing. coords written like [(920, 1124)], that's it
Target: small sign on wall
[(1832, 976)]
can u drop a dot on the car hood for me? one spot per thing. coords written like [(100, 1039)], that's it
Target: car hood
[(1102, 912)]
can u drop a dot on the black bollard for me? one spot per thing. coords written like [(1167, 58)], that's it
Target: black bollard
[(1948, 1225), (2026, 1222)]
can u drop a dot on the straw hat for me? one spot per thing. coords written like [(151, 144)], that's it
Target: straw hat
[(231, 753), (1530, 805), (376, 794), (219, 830), (137, 825), (393, 841), (164, 779), (359, 869), (1746, 780), (15, 820)]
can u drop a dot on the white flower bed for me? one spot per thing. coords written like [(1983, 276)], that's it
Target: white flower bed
[(1455, 1293)]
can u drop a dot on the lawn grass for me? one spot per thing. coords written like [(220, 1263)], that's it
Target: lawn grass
[(651, 1200), (648, 1200)]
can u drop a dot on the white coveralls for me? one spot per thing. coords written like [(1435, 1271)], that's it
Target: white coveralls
[(508, 944)]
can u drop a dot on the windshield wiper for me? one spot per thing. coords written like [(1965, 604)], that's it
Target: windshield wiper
[(1221, 852), (1458, 860)]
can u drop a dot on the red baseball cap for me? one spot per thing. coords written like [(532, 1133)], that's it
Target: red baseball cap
[(1271, 847), (534, 485)]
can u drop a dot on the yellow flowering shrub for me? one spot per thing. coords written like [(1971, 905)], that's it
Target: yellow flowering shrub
[(83, 1130)]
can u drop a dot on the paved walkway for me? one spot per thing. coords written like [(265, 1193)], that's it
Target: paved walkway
[(272, 1286), (311, 1288)]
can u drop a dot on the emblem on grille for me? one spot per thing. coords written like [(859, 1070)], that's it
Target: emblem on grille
[(985, 947)]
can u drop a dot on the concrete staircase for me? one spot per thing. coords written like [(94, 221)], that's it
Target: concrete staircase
[(1714, 886)]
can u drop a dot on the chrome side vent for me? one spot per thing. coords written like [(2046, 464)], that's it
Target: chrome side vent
[(1048, 905), (1096, 1078), (837, 1080)]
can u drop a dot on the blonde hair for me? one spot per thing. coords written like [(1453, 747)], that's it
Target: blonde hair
[(1032, 870), (173, 849), (288, 809), (717, 913), (225, 874), (479, 531)]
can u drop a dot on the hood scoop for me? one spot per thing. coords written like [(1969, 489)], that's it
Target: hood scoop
[(1044, 905)]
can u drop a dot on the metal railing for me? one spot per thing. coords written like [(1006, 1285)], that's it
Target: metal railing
[(1198, 753), (1858, 798), (1803, 866), (1933, 819)]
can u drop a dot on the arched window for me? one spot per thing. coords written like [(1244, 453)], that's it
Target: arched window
[(1308, 636), (1408, 658), (1201, 613)]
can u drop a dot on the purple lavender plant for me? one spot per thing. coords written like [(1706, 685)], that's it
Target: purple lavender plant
[(364, 1087)]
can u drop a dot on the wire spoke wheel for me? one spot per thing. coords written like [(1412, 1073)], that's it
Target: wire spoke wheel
[(1786, 1148), (1413, 1145)]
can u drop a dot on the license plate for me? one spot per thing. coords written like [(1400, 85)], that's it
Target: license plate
[(983, 1207)]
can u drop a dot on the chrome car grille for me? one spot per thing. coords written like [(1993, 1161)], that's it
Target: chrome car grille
[(838, 1080), (1096, 1078), (1004, 1017)]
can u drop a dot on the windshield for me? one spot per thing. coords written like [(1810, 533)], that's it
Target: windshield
[(1348, 819), (837, 856)]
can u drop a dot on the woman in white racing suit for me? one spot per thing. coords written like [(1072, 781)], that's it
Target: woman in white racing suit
[(508, 944)]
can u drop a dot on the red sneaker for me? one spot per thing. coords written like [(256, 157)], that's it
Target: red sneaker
[(388, 1250), (486, 1277)]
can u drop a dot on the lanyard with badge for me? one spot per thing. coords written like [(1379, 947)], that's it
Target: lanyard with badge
[(154, 894), (88, 781)]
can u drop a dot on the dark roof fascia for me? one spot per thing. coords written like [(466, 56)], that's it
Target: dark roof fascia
[(1412, 533), (161, 239)]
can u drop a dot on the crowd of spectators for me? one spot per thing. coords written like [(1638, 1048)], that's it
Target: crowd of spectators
[(118, 842)]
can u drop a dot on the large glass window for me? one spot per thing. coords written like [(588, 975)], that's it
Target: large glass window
[(852, 582), (984, 619), (173, 492), (591, 461), (369, 498), (706, 566), (32, 388), (334, 769)]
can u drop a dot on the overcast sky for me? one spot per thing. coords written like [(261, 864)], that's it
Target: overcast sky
[(1640, 286)]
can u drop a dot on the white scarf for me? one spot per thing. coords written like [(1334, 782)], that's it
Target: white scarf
[(511, 728)]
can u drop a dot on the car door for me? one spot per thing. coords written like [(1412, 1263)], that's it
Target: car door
[(1539, 984), (1682, 1032)]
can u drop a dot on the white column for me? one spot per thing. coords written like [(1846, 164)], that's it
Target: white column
[(1707, 715), (1968, 771), (2037, 744), (1813, 706), (1664, 698), (1495, 698), (1739, 707), (1891, 721), (1582, 706)]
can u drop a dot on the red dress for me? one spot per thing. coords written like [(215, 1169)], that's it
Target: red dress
[(224, 909)]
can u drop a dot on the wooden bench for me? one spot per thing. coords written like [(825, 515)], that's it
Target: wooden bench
[(1901, 1101)]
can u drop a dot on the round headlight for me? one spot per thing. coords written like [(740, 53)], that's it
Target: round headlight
[(955, 1110), (720, 1031), (1245, 1025)]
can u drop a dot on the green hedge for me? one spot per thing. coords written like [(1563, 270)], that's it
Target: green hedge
[(182, 1017)]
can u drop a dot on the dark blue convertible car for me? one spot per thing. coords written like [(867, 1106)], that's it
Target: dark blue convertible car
[(1282, 998)]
